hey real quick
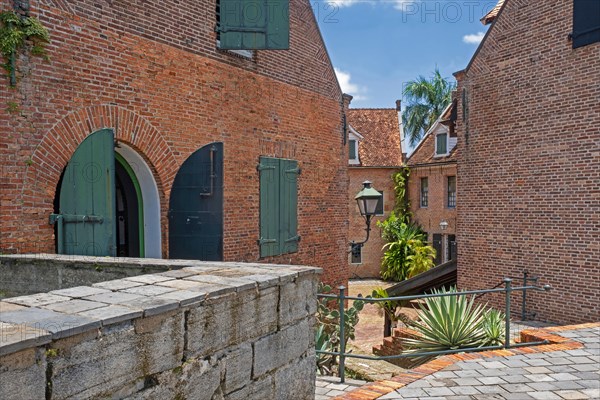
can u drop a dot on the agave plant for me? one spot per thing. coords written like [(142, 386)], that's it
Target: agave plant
[(447, 323), (323, 343), (493, 326)]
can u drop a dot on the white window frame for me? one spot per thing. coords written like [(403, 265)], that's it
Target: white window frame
[(354, 135), (437, 135), (382, 204)]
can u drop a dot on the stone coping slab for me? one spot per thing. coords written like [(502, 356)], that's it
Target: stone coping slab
[(375, 390), (35, 320)]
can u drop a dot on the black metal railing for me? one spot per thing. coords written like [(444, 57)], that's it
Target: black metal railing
[(507, 290)]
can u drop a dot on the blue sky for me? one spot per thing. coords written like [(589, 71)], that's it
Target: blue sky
[(376, 46)]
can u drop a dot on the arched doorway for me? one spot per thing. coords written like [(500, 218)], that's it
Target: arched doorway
[(196, 206), (107, 202)]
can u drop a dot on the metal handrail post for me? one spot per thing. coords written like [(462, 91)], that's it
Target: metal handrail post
[(523, 308), (342, 307), (507, 284)]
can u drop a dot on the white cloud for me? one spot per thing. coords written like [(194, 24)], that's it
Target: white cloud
[(398, 4), (474, 38), (349, 87), (403, 5), (342, 3)]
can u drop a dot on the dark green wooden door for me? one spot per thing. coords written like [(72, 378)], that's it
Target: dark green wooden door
[(196, 207), (86, 222)]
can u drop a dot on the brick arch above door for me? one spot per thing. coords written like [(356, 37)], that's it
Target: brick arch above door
[(58, 145)]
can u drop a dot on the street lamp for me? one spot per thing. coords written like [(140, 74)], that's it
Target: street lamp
[(367, 200), (443, 225)]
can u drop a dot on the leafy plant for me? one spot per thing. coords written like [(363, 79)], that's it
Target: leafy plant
[(447, 323), (328, 318), (390, 307), (15, 30), (407, 256), (395, 228)]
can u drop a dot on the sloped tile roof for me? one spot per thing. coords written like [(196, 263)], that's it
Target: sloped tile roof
[(425, 151), (491, 16), (381, 131)]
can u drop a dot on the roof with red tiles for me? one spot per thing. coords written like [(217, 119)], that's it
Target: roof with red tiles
[(425, 150), (491, 16), (381, 131)]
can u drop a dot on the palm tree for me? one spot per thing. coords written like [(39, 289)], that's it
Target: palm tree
[(426, 101)]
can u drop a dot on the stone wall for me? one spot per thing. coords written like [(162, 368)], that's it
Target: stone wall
[(205, 331), (22, 275)]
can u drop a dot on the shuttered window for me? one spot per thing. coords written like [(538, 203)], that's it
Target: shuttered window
[(253, 24), (424, 192), (441, 147), (451, 192), (278, 206), (586, 22)]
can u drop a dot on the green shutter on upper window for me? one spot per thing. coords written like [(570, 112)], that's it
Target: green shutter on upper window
[(254, 24), (288, 206), (269, 240)]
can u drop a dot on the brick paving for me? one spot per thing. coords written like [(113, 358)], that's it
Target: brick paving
[(568, 368)]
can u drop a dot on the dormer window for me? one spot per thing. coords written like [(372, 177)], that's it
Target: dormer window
[(352, 149), (441, 144), (354, 139)]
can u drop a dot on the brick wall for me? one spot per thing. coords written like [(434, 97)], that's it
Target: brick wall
[(529, 162), (381, 179), (157, 79), (429, 217)]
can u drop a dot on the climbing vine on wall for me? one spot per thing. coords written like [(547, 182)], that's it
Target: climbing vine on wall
[(15, 32), (402, 206)]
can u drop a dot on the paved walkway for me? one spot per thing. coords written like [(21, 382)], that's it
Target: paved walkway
[(564, 371)]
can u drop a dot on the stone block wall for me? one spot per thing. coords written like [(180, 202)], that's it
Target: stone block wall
[(205, 331)]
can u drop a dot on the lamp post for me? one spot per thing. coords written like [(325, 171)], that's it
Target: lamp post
[(367, 200)]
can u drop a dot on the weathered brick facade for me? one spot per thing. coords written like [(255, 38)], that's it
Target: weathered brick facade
[(529, 161), (379, 156), (151, 71), (436, 169)]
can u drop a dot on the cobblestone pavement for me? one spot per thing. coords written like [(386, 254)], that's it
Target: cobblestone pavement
[(560, 375), (329, 387)]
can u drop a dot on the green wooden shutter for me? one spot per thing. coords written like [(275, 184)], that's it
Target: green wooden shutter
[(288, 206), (86, 223), (269, 241), (254, 24)]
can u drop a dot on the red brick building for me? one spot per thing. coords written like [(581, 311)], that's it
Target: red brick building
[(208, 143), (529, 157), (375, 153), (432, 186)]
